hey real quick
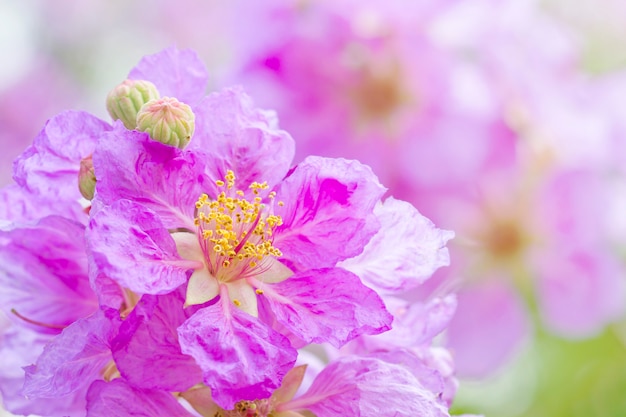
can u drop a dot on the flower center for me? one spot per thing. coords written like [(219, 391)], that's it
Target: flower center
[(235, 234), (505, 240)]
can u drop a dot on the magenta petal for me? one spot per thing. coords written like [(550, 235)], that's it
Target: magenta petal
[(367, 387), (239, 137), (130, 165), (489, 326), (50, 166), (328, 214), (153, 323), (177, 73), (43, 272), (405, 252), (241, 357), (117, 398), (131, 246), (327, 305), (74, 358)]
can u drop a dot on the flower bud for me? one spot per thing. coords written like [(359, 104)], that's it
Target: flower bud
[(87, 178), (125, 100), (167, 120)]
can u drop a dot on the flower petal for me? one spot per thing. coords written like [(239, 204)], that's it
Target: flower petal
[(328, 212), (327, 305), (236, 136), (46, 262), (118, 398), (153, 324), (74, 358), (242, 358), (130, 165), (50, 165), (177, 73), (130, 245), (405, 252)]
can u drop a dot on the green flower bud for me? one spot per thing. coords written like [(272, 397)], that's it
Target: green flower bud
[(87, 178), (125, 100), (167, 120)]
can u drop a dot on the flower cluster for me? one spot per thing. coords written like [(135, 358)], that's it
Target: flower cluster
[(174, 262)]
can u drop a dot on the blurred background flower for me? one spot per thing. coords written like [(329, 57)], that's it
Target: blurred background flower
[(502, 120)]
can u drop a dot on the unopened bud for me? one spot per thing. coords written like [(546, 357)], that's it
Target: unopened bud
[(125, 100), (168, 121), (87, 178)]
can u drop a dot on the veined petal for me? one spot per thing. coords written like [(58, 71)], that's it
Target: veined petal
[(50, 165), (175, 72), (405, 252), (46, 262), (130, 165), (74, 358), (153, 324), (236, 136), (328, 212), (327, 305), (118, 398), (367, 387), (131, 246), (241, 358)]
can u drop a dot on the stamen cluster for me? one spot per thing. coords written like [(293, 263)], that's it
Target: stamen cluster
[(236, 233)]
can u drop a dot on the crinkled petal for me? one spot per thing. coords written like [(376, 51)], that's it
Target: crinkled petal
[(367, 387), (327, 305), (177, 73), (50, 165), (130, 165), (234, 135), (118, 398), (131, 246), (43, 272), (20, 347), (19, 205), (415, 324), (405, 252), (242, 358), (153, 324), (74, 358), (328, 213)]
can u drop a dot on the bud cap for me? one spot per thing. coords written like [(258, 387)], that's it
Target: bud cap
[(125, 100), (168, 121)]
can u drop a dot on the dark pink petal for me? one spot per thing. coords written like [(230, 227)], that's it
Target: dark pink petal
[(327, 305), (43, 273), (367, 387), (236, 136), (177, 73), (241, 358), (74, 358), (131, 246), (130, 165), (50, 165), (153, 323), (580, 292), (489, 326), (328, 214), (404, 253), (118, 398)]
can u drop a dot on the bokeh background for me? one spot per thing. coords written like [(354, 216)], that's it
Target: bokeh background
[(502, 120)]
